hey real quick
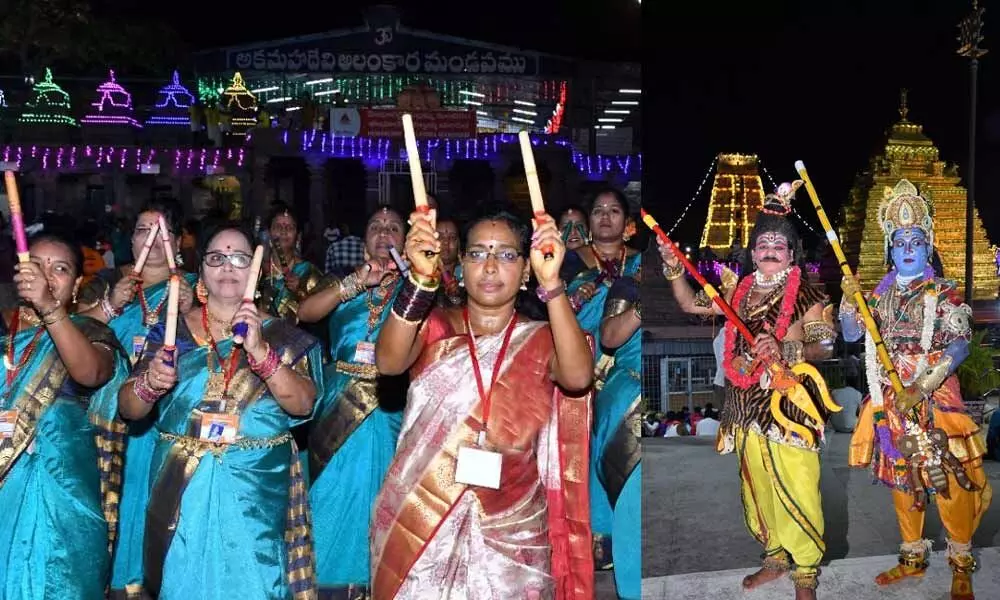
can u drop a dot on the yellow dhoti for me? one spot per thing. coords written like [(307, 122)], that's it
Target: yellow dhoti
[(782, 508)]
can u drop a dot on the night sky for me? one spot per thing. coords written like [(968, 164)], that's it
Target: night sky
[(816, 81)]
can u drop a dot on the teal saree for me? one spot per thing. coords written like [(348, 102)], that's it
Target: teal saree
[(60, 473), (351, 446), (131, 328), (228, 520)]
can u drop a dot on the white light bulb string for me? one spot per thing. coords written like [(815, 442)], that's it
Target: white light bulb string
[(694, 198), (775, 186)]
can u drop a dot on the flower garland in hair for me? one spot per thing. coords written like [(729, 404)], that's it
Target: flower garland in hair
[(739, 378)]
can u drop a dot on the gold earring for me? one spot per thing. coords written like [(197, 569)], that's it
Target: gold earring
[(524, 286)]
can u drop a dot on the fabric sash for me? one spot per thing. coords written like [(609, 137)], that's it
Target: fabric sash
[(621, 454), (358, 400)]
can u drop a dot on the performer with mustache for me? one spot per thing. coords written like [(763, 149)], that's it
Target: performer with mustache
[(921, 441), (779, 469)]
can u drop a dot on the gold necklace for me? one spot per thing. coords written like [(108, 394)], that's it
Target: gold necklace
[(226, 326)]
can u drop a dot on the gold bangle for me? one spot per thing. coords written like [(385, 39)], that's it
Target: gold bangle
[(672, 273), (425, 282), (52, 321)]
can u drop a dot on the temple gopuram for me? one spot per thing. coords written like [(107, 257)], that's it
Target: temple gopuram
[(910, 154), (737, 196)]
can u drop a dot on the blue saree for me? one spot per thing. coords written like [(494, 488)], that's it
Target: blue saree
[(615, 451), (131, 328), (58, 492), (277, 299), (228, 520), (350, 447)]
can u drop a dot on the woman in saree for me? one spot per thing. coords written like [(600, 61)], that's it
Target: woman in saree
[(487, 495), (57, 494), (451, 271), (615, 451), (354, 436), (591, 271), (227, 515), (134, 303), (287, 278)]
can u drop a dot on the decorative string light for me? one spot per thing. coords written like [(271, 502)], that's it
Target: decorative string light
[(49, 104), (114, 105), (694, 197), (481, 148), (90, 157), (237, 93), (775, 186), (173, 105), (555, 123)]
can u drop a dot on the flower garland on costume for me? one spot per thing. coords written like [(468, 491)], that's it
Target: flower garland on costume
[(873, 367), (740, 378)]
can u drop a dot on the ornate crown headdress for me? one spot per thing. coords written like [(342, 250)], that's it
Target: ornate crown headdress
[(780, 202), (904, 208)]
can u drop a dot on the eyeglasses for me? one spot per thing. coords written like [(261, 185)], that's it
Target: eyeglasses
[(240, 260), (503, 255)]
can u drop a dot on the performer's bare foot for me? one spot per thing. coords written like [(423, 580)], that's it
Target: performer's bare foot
[(805, 594), (762, 576), (898, 573), (961, 587)]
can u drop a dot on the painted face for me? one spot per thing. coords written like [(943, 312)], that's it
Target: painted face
[(385, 230), (284, 232), (772, 253), (573, 224), (910, 251), (607, 219), (492, 266), (56, 262), (146, 221), (448, 236), (226, 266)]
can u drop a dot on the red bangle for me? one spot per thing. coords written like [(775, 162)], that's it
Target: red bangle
[(266, 368), (144, 391)]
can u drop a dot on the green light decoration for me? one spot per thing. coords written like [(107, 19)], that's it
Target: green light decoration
[(383, 89), (49, 105)]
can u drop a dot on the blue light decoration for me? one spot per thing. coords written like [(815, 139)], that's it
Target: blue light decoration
[(173, 107), (481, 148), (49, 104), (114, 105), (3, 100)]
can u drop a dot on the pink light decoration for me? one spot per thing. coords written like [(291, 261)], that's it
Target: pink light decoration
[(112, 98), (110, 158)]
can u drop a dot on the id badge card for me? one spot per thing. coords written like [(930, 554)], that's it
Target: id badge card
[(219, 428), (478, 467), (138, 345), (364, 353), (8, 418)]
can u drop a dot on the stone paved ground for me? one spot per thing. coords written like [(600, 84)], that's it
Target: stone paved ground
[(696, 546)]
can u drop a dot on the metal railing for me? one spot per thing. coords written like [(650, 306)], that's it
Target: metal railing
[(670, 383)]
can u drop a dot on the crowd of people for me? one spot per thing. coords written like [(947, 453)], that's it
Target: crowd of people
[(450, 412)]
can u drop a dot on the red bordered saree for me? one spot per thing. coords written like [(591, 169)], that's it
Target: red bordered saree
[(529, 539)]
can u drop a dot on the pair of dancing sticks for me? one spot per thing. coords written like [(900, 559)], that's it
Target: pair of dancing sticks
[(417, 175)]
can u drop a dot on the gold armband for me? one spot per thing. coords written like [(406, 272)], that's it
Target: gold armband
[(615, 306), (702, 300), (818, 331), (792, 352), (931, 379)]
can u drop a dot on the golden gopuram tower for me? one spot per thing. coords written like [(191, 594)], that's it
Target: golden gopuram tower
[(910, 154), (737, 197)]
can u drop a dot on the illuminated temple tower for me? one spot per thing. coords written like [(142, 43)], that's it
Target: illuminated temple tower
[(910, 154), (737, 197)]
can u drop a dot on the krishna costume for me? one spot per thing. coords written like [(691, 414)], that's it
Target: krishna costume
[(933, 449), (776, 444)]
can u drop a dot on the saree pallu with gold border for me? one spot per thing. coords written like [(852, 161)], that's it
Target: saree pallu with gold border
[(351, 444), (615, 451), (131, 330), (58, 490), (228, 521), (277, 299), (592, 312), (435, 538)]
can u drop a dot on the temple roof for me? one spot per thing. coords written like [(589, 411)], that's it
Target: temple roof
[(905, 132)]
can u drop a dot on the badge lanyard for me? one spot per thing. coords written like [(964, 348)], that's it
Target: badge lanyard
[(483, 395)]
